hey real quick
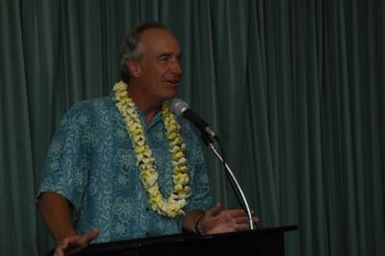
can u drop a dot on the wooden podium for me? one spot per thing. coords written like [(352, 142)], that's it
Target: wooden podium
[(261, 242)]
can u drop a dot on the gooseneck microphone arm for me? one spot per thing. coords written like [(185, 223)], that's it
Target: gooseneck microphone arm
[(181, 108), (245, 205)]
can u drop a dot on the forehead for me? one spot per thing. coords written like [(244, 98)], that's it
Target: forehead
[(158, 41)]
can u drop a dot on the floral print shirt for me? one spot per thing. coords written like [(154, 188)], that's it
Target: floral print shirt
[(92, 164)]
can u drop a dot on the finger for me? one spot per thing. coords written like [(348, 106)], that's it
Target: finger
[(242, 219), (65, 244), (237, 213), (84, 241), (243, 226), (75, 248), (215, 210), (72, 245), (59, 251), (244, 222), (91, 235)]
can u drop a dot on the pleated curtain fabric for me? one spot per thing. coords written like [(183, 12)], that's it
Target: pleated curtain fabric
[(295, 90)]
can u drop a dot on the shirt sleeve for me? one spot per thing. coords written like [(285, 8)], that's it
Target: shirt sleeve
[(67, 163)]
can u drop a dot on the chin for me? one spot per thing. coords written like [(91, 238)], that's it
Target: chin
[(171, 94)]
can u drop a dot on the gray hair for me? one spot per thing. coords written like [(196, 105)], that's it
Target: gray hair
[(131, 48)]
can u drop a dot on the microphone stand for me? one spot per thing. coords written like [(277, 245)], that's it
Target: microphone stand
[(209, 142)]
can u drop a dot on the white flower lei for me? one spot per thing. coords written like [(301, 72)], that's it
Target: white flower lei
[(172, 206)]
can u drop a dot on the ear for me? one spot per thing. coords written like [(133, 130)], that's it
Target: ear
[(134, 68)]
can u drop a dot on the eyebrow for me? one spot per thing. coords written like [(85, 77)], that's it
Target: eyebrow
[(168, 54)]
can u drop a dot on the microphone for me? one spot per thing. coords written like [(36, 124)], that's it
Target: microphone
[(181, 108)]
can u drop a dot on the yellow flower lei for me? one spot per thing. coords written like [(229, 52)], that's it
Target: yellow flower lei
[(172, 206)]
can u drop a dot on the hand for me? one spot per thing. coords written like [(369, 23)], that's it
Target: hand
[(74, 244), (217, 220)]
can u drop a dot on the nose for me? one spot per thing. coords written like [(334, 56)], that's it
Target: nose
[(176, 68)]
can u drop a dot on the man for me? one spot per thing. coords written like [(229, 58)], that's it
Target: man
[(123, 166)]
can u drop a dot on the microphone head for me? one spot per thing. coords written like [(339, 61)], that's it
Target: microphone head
[(178, 106)]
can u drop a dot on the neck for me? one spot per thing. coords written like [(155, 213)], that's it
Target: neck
[(147, 104)]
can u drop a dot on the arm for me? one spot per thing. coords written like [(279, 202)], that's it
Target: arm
[(56, 214)]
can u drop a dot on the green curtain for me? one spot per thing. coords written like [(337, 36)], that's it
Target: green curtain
[(295, 89)]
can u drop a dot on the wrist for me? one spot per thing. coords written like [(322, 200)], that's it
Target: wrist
[(197, 229)]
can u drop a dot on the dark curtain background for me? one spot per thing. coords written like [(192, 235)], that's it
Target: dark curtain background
[(294, 88)]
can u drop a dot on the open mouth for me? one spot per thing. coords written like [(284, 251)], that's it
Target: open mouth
[(173, 82)]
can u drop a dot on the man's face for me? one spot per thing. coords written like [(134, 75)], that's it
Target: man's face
[(160, 71)]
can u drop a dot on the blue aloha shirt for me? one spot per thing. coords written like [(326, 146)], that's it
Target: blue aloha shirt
[(91, 163)]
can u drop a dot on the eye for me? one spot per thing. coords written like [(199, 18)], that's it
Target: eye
[(179, 58), (164, 58)]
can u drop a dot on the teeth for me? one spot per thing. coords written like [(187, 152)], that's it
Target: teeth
[(174, 81)]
